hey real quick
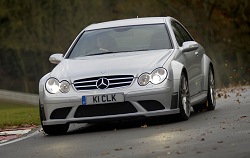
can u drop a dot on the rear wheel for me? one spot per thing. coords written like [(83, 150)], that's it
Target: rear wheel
[(53, 129), (184, 98), (211, 100)]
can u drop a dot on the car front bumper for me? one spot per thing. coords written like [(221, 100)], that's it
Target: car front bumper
[(154, 101)]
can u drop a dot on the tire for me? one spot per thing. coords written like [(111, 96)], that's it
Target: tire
[(184, 99), (52, 129), (56, 129), (211, 100)]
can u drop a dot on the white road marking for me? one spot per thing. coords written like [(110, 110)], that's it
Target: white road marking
[(21, 138), (16, 132)]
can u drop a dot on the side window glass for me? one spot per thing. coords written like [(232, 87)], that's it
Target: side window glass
[(184, 33), (178, 35)]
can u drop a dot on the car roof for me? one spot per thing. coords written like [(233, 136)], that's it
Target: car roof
[(128, 22)]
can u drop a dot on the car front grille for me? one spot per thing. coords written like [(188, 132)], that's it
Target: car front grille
[(113, 82)]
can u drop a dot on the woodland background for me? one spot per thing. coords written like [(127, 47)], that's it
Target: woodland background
[(32, 30)]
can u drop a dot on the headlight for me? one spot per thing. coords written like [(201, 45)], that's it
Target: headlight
[(158, 75), (53, 86), (144, 79), (64, 86), (155, 77)]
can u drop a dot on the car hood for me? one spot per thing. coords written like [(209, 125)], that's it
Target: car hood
[(127, 63)]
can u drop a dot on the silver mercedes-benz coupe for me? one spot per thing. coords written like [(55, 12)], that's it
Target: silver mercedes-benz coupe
[(127, 69)]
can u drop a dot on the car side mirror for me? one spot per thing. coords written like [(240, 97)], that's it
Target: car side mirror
[(189, 46), (56, 58)]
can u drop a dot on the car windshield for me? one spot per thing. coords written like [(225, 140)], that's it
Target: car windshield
[(121, 39)]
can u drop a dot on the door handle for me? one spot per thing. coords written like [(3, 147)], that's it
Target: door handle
[(196, 53)]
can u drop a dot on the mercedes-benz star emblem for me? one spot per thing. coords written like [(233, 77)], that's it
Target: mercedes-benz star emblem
[(102, 83)]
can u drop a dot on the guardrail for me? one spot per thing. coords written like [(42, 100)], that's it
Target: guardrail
[(19, 97)]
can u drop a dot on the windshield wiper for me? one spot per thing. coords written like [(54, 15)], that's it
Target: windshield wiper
[(110, 52), (101, 53), (141, 50)]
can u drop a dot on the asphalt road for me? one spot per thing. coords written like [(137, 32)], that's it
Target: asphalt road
[(224, 132)]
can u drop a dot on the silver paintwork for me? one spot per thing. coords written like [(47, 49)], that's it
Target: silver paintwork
[(190, 57)]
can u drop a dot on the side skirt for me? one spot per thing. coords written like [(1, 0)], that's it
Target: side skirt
[(199, 98)]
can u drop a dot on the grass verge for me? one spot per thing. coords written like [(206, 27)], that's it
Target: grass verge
[(18, 115)]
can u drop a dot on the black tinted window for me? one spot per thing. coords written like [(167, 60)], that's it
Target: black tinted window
[(180, 39), (180, 33), (184, 33)]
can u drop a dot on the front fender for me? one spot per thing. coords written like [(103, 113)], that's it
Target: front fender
[(206, 61), (177, 69)]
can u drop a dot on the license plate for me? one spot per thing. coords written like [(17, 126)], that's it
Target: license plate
[(102, 99)]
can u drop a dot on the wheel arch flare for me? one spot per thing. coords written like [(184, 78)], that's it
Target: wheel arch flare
[(206, 64), (177, 69)]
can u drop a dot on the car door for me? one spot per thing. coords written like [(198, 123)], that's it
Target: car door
[(192, 59)]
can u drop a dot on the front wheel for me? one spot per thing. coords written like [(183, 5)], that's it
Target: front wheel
[(52, 129), (184, 99)]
